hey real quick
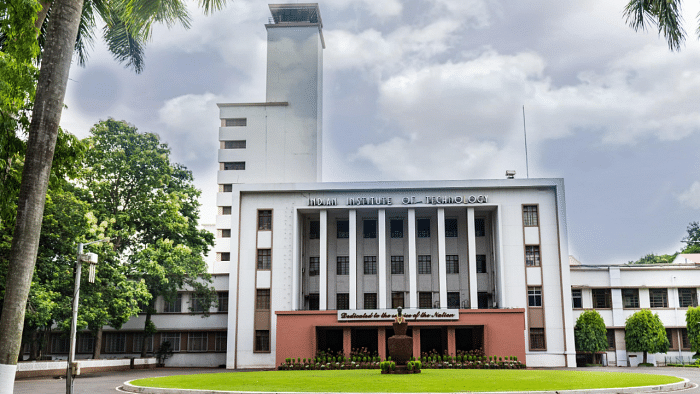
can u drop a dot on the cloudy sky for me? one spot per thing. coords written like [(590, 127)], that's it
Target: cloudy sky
[(435, 89)]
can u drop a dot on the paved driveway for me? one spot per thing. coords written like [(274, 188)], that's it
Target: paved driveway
[(107, 382)]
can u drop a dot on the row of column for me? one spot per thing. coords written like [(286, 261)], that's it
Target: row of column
[(382, 260)]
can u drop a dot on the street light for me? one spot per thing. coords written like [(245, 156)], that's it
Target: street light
[(90, 258)]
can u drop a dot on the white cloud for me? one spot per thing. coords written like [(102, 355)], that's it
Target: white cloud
[(691, 197)]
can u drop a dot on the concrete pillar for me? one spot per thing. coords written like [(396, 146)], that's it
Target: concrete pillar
[(471, 242), (412, 261), (347, 341), (323, 261), (416, 342), (381, 342), (296, 264), (352, 256), (451, 341), (442, 264)]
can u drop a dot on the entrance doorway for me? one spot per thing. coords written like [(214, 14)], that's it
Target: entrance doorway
[(365, 338), (433, 339), (329, 340), (469, 338)]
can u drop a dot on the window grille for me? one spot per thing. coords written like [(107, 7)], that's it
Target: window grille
[(343, 265), (314, 266), (452, 261), (451, 228), (424, 264), (397, 265), (370, 266), (530, 216), (264, 259)]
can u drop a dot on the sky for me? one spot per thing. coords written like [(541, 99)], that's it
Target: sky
[(435, 89)]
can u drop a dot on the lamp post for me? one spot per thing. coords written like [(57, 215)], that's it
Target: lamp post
[(90, 258)]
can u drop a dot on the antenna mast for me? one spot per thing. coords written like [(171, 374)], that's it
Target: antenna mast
[(527, 165)]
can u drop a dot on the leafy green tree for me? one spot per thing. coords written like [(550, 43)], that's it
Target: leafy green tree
[(692, 321), (665, 15), (644, 332), (590, 333), (652, 258), (692, 240)]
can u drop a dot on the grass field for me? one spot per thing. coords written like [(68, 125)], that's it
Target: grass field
[(430, 380)]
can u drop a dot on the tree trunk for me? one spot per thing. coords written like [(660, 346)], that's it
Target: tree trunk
[(98, 344), (644, 360), (144, 347), (45, 5), (46, 115)]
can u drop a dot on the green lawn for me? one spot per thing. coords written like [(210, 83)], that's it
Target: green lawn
[(430, 380)]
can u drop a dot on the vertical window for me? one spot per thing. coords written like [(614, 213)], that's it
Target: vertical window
[(239, 144), (425, 299), (196, 303), (314, 266), (223, 256), (234, 165), (479, 227), (314, 229), (343, 266), (396, 228), (672, 345), (265, 219), (115, 342), (537, 339), (343, 229), (601, 298), (370, 267), (262, 299), (685, 342), (397, 299), (173, 306), (658, 298), (611, 339), (173, 338), (60, 343), (370, 300), (342, 301), (138, 343), (223, 301), (227, 188), (313, 301), (481, 264), (264, 259), (451, 228), (225, 233), (235, 122), (482, 300), (453, 299), (452, 261), (576, 298), (262, 340), (369, 228), (532, 255), (630, 298), (687, 297), (86, 343), (220, 341), (423, 228), (424, 264), (397, 265), (530, 215), (225, 210), (197, 341), (534, 296)]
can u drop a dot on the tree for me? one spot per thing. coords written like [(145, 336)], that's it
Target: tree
[(664, 14), (692, 321), (652, 258), (692, 239), (590, 333), (136, 18), (644, 332)]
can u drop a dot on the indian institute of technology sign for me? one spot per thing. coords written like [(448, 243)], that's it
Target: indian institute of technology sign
[(390, 314), (407, 200)]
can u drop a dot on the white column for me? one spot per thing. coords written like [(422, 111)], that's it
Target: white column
[(296, 262), (381, 259), (442, 263), (471, 242), (412, 261), (323, 261), (352, 256), (499, 261)]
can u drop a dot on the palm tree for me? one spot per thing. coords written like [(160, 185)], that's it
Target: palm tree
[(665, 14), (69, 25)]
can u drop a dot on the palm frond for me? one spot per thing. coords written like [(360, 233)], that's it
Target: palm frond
[(86, 37), (664, 14), (212, 5), (125, 47), (139, 15)]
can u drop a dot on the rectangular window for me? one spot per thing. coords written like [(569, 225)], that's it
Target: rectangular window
[(223, 301), (630, 298), (396, 228), (313, 301), (225, 210), (264, 259), (173, 306), (687, 297), (227, 188), (343, 229), (453, 299), (530, 216), (343, 265), (115, 342), (370, 300), (223, 256), (240, 144), (451, 228), (482, 300), (262, 299), (265, 219), (370, 267), (342, 301), (601, 299), (685, 342), (611, 339), (658, 298), (86, 343), (369, 228), (481, 264), (576, 298), (423, 228), (173, 338), (424, 264), (672, 343), (197, 341), (314, 266), (314, 229), (220, 341), (196, 303), (138, 343), (397, 265), (479, 227), (235, 122), (537, 339), (425, 299), (60, 343), (234, 165), (532, 255), (452, 261), (397, 299), (534, 296), (262, 340), (225, 233)]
